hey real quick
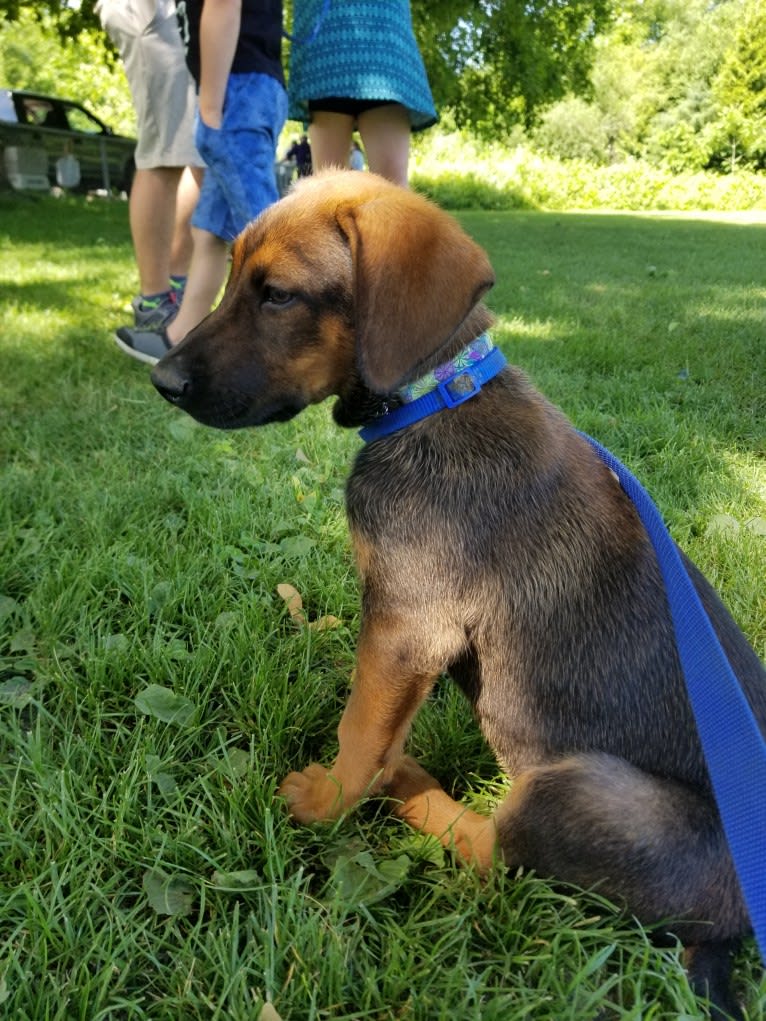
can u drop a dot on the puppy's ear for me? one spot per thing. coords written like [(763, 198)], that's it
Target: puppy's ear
[(417, 275)]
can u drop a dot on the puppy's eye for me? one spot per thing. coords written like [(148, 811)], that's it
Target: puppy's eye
[(276, 296)]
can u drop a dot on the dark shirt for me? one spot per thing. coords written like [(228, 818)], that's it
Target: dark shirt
[(259, 47), (301, 152)]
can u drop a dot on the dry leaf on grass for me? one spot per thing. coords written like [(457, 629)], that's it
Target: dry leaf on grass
[(326, 623), (269, 1013), (294, 603)]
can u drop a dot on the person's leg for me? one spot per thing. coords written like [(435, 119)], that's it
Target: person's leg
[(239, 182), (152, 212), (385, 132), (330, 138), (206, 275), (186, 202)]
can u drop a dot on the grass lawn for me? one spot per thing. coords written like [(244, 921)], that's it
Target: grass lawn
[(154, 688)]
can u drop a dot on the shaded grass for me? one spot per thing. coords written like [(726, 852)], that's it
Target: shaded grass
[(138, 549)]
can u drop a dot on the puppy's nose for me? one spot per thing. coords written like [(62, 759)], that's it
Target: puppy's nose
[(171, 382)]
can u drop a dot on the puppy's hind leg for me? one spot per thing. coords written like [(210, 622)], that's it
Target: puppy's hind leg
[(709, 968), (652, 845)]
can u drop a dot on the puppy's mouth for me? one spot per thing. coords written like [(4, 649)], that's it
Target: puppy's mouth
[(236, 411), (223, 408), (227, 415)]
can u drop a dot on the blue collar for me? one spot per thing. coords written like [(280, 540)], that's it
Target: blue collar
[(446, 386)]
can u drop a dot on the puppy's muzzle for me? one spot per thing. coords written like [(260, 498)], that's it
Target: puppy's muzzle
[(172, 382)]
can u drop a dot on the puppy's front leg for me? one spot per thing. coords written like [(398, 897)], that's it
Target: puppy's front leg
[(384, 698), (422, 802)]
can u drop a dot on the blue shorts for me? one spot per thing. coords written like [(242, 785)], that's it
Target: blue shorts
[(239, 180)]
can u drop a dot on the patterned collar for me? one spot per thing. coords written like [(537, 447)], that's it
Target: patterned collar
[(446, 386)]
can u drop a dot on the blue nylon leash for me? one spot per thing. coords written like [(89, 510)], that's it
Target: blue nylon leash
[(734, 748)]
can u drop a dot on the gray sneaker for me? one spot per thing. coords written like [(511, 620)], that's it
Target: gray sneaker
[(146, 345), (156, 314)]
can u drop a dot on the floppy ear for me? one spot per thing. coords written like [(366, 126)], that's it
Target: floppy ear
[(417, 275)]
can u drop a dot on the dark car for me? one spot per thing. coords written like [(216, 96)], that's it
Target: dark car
[(47, 141)]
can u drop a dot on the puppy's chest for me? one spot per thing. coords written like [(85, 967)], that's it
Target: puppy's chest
[(398, 500)]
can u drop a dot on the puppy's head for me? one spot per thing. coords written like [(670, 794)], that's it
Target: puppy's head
[(348, 278)]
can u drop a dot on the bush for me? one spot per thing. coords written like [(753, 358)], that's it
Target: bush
[(518, 177), (469, 191), (574, 129)]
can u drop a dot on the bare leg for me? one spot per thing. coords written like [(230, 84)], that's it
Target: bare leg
[(206, 275), (330, 137), (385, 131), (152, 213), (186, 200)]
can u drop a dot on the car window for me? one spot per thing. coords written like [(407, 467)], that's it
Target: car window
[(35, 111), (81, 121), (42, 114)]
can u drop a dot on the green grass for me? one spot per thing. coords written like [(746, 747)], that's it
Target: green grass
[(146, 870)]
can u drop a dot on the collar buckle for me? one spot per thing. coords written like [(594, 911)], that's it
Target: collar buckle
[(458, 388)]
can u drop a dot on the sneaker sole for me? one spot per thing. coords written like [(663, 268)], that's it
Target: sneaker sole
[(138, 355)]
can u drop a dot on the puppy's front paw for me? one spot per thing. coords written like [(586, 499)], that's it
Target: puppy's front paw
[(313, 795)]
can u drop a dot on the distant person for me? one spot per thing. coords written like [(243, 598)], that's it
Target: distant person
[(234, 54), (300, 154), (356, 156), (168, 167), (356, 65)]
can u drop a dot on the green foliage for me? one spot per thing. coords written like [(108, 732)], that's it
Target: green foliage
[(575, 129), (459, 172), (498, 63), (69, 18), (33, 56), (679, 83), (739, 90), (148, 870)]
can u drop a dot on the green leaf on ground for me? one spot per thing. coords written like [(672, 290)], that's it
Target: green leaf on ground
[(168, 895), (163, 704)]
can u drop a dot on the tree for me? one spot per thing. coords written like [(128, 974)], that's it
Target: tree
[(739, 89), (680, 83), (69, 19), (498, 63)]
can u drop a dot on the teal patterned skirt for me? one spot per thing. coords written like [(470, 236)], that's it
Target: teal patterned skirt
[(357, 49)]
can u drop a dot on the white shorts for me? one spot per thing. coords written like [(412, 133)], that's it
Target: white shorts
[(146, 35)]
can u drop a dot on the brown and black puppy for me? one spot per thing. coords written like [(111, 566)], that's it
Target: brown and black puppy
[(492, 543)]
